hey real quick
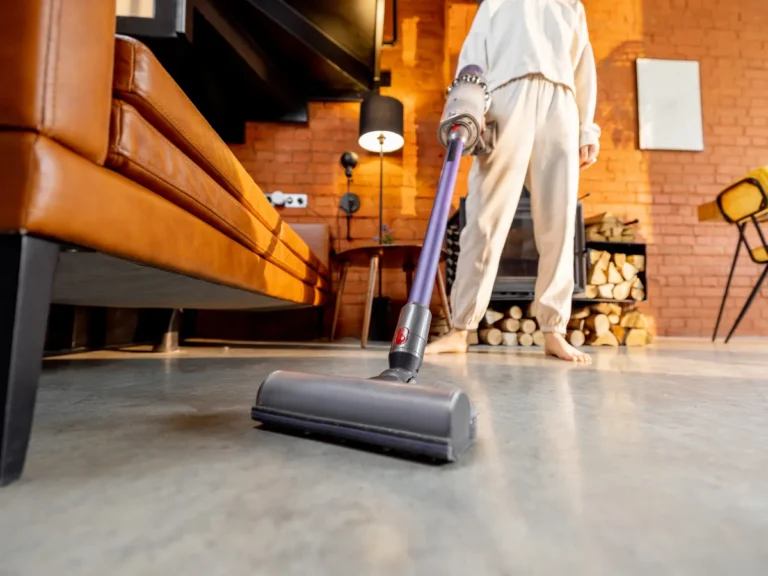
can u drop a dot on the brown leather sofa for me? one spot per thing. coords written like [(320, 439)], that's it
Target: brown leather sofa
[(117, 192)]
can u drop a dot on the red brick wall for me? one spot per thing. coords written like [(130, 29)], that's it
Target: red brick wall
[(688, 261)]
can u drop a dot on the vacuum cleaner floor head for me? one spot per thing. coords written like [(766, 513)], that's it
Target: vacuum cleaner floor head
[(427, 421)]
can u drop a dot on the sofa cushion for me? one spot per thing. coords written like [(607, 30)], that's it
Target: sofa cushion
[(56, 60), (141, 153), (141, 80), (71, 199)]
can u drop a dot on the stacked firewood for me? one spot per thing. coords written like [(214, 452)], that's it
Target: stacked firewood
[(509, 328), (513, 326), (608, 324), (604, 324), (615, 276), (607, 227)]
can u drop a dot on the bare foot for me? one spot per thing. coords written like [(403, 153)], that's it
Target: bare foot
[(555, 345), (455, 342)]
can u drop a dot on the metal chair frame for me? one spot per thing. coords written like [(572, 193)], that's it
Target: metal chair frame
[(742, 227)]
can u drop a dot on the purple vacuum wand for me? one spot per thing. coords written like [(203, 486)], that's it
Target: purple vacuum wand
[(462, 132), (429, 259)]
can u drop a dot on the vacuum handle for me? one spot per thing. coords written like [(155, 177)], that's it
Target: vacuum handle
[(426, 270)]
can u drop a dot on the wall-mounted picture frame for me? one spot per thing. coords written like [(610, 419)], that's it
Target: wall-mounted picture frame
[(669, 105)]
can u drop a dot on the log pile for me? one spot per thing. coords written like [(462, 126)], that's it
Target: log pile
[(514, 326), (607, 227), (615, 276), (604, 324), (608, 324)]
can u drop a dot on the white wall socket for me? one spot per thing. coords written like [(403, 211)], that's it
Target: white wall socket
[(283, 200)]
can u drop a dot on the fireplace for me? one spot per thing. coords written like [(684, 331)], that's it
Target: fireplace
[(516, 278)]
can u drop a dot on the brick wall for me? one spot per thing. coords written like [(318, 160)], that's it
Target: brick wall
[(688, 261)]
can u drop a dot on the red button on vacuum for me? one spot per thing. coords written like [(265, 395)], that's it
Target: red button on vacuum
[(402, 336)]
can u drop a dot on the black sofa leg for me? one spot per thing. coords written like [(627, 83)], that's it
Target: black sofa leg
[(27, 268)]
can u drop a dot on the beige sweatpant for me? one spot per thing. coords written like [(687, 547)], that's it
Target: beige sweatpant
[(537, 145)]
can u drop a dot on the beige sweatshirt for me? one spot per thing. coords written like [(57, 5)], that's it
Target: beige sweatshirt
[(514, 38)]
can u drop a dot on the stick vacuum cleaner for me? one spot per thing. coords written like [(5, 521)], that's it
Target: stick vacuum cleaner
[(391, 410)]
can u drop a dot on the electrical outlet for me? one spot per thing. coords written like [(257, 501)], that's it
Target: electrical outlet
[(282, 200)]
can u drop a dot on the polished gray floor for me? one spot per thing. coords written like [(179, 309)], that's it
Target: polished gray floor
[(649, 462)]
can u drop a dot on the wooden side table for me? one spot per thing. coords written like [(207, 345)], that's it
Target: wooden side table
[(390, 257)]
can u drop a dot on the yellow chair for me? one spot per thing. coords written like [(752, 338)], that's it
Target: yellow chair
[(743, 203)]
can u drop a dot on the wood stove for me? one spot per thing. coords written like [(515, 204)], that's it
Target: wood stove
[(518, 267)]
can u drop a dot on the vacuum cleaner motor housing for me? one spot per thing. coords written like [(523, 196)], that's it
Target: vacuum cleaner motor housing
[(467, 103)]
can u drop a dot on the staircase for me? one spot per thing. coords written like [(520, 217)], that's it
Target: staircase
[(264, 60)]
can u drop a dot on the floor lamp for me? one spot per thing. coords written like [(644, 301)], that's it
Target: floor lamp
[(381, 130)]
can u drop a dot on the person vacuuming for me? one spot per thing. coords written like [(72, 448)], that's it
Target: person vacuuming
[(541, 74), (392, 410)]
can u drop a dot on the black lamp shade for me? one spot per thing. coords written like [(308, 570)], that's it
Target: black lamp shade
[(381, 116)]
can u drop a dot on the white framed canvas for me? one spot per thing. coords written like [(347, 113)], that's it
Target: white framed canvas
[(669, 105)]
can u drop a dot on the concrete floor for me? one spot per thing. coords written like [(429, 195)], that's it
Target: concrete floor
[(649, 462)]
